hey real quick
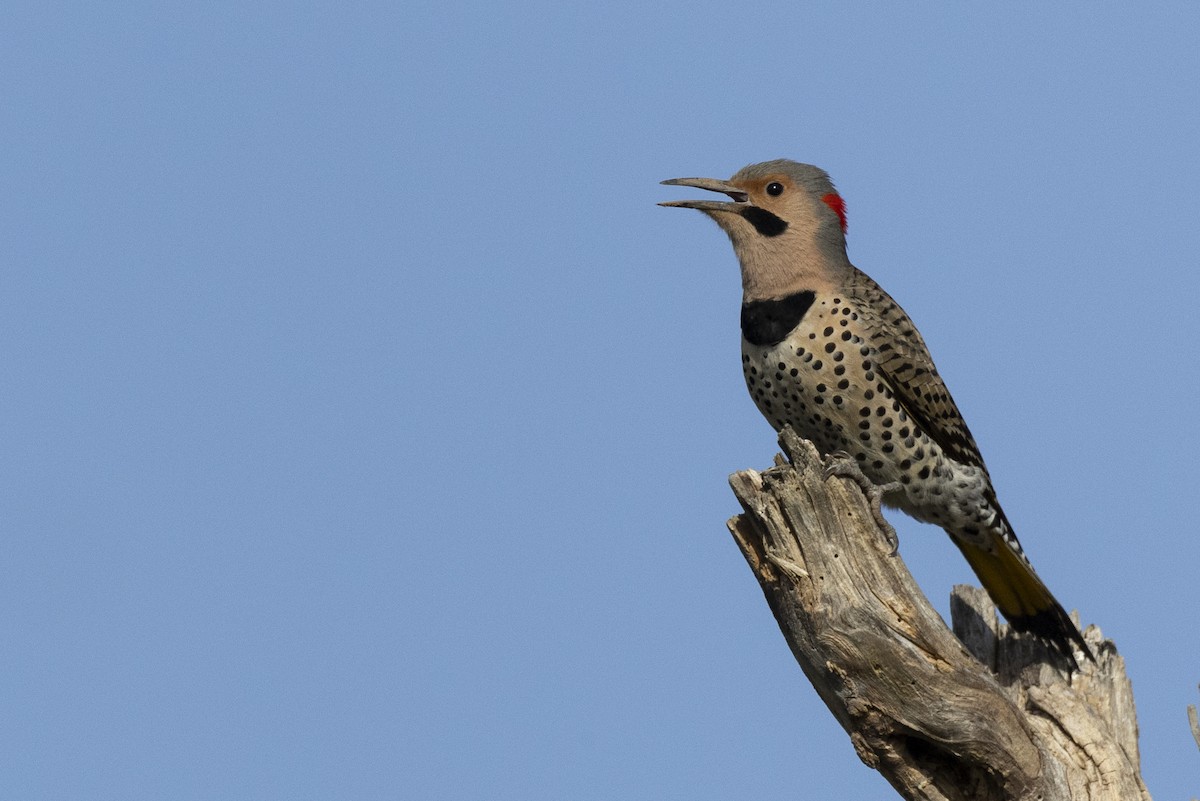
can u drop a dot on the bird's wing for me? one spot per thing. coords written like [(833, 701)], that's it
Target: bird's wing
[(904, 363)]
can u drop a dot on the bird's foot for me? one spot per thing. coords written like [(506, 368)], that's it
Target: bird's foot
[(842, 465)]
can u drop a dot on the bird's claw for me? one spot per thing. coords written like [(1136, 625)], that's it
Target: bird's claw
[(841, 464)]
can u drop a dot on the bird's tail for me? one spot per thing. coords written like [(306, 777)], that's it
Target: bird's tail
[(1022, 597)]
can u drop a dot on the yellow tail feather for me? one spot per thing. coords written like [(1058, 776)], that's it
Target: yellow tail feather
[(1022, 597)]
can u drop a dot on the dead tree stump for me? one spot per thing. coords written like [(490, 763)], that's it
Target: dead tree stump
[(984, 718)]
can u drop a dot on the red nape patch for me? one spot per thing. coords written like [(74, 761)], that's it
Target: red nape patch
[(834, 201)]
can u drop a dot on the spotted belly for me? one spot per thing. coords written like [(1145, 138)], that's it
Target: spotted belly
[(821, 379)]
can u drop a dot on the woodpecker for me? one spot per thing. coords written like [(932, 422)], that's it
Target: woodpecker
[(827, 351)]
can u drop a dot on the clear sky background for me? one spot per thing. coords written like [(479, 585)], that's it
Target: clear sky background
[(366, 426)]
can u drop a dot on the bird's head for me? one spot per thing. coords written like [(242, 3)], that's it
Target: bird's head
[(786, 221)]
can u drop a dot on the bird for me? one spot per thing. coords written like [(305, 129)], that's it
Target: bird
[(827, 351)]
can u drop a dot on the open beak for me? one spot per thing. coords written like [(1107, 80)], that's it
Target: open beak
[(713, 185)]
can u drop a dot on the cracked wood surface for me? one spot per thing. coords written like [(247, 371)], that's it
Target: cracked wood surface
[(982, 718)]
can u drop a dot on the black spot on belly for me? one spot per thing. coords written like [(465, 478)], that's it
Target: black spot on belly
[(768, 322), (764, 221)]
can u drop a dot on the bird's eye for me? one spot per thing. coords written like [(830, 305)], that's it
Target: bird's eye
[(775, 189)]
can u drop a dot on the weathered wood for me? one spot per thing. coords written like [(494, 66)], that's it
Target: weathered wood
[(918, 706), (1194, 723)]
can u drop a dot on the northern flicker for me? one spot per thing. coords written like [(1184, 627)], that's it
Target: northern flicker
[(827, 351)]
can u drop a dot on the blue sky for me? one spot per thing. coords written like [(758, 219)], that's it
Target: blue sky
[(366, 424)]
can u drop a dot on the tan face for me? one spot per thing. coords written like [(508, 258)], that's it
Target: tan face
[(785, 228), (770, 202)]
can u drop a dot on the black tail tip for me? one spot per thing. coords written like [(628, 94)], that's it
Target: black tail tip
[(1056, 629)]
